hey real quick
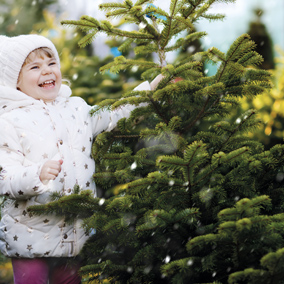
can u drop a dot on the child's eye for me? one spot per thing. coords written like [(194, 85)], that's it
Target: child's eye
[(52, 63), (34, 67)]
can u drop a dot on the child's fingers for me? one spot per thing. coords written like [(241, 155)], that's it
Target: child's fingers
[(56, 165), (53, 172), (50, 170)]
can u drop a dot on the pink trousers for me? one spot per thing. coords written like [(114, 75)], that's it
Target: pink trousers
[(45, 270)]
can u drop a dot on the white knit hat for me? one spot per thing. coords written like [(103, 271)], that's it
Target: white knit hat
[(13, 53)]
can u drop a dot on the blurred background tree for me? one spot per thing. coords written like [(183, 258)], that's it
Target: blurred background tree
[(264, 45), (19, 16)]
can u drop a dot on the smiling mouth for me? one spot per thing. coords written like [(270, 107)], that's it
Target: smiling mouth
[(47, 84)]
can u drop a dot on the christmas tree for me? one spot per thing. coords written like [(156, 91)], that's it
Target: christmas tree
[(188, 197)]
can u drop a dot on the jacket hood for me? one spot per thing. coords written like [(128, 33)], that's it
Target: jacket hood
[(11, 98)]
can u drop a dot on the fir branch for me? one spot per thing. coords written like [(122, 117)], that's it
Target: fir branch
[(141, 2), (219, 158), (111, 6), (181, 22), (213, 17), (236, 129), (190, 10), (121, 63), (198, 117)]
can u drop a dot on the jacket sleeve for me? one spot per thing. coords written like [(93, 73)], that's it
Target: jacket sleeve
[(19, 178), (107, 120)]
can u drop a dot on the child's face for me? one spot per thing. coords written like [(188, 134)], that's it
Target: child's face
[(40, 78)]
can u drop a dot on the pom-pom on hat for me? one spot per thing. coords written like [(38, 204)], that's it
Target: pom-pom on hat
[(13, 53)]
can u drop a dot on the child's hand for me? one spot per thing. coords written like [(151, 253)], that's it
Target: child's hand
[(156, 81), (50, 170)]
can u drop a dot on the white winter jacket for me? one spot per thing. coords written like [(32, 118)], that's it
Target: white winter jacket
[(32, 132)]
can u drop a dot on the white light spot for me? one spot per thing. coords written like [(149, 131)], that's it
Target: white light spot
[(142, 25), (171, 182), (279, 177), (190, 262), (167, 259), (191, 49), (147, 269), (133, 166), (102, 201), (134, 69)]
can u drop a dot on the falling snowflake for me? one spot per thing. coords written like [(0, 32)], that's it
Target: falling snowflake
[(167, 259), (102, 201), (133, 166)]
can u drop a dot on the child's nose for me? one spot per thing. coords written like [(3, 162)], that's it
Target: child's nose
[(46, 70)]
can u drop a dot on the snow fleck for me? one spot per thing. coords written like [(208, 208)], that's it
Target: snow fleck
[(142, 25), (34, 3), (16, 22), (134, 69), (75, 76), (133, 166), (176, 226), (171, 182), (100, 260), (238, 121), (237, 198), (167, 259), (279, 177), (102, 201), (229, 269), (129, 269), (147, 269), (206, 71), (190, 262), (186, 183), (191, 49), (214, 274)]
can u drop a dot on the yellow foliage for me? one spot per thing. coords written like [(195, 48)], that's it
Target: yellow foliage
[(96, 282), (270, 107), (6, 272)]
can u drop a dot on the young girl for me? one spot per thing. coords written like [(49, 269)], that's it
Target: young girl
[(45, 146)]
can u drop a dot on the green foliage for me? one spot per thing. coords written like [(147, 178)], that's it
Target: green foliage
[(189, 197)]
